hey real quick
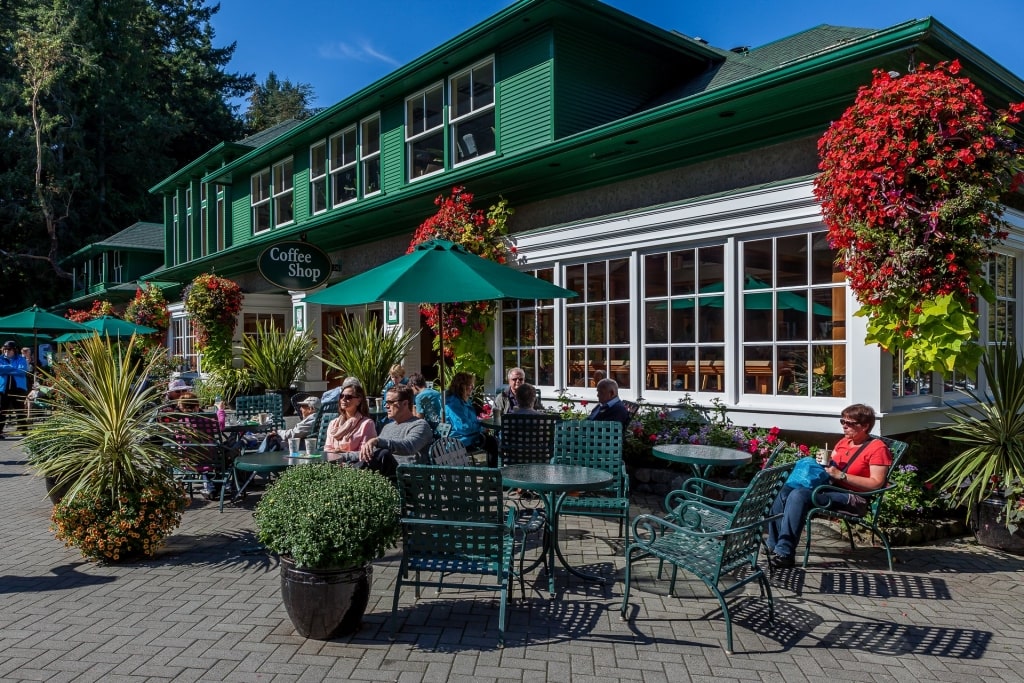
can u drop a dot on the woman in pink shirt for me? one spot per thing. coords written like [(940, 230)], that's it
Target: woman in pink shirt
[(353, 426)]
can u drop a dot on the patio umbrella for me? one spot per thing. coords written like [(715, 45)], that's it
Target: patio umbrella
[(36, 321), (438, 272), (106, 326)]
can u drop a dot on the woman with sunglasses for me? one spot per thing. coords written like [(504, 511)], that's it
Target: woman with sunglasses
[(353, 426), (859, 462)]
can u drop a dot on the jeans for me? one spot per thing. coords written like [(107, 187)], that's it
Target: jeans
[(794, 504)]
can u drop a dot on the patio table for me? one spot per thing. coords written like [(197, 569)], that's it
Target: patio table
[(266, 463), (553, 483), (701, 458)]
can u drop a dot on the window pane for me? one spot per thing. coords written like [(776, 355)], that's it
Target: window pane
[(474, 137), (461, 95), (574, 326), (656, 274), (618, 319), (371, 136), (757, 260), (618, 279), (434, 101), (656, 322), (427, 155), (546, 327), (483, 85), (371, 175), (596, 325), (791, 269)]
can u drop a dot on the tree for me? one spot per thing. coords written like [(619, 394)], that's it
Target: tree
[(275, 101), (100, 101)]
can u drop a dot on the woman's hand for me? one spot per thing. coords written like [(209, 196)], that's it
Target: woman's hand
[(835, 473)]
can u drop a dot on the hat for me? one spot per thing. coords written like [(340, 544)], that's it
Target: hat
[(178, 385), (11, 344), (311, 402)]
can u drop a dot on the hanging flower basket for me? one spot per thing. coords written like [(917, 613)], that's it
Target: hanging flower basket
[(912, 176), (214, 303), (149, 308)]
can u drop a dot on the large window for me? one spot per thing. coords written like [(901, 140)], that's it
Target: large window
[(189, 237), (424, 132), (183, 342), (369, 139), (684, 320), (204, 220), (528, 336), (252, 322), (472, 112), (318, 177), (175, 229), (793, 317), (259, 195), (222, 218), (597, 323), (343, 166), (284, 192)]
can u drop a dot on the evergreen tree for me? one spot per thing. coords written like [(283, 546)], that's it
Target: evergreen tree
[(275, 101)]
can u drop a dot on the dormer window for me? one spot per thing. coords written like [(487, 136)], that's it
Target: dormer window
[(272, 197)]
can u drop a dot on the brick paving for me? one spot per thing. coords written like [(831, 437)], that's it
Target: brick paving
[(207, 608)]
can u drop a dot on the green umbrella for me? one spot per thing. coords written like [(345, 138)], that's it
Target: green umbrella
[(107, 326), (438, 272), (35, 320)]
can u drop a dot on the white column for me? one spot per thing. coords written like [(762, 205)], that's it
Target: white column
[(306, 317)]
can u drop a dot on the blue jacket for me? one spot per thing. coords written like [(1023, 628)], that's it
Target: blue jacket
[(615, 411), (462, 417), (13, 369)]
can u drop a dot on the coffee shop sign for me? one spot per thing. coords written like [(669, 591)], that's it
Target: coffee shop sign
[(295, 265)]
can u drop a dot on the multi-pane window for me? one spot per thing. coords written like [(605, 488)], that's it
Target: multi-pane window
[(472, 112), (189, 237), (1002, 315), (204, 221), (424, 132), (343, 166), (183, 342), (253, 322), (793, 316), (284, 192), (528, 336), (116, 267), (318, 177), (684, 320), (222, 218), (259, 197), (597, 323), (370, 154)]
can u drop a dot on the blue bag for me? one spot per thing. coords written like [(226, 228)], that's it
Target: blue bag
[(807, 474)]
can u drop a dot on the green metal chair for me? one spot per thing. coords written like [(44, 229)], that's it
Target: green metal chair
[(248, 407), (591, 443), (710, 542), (869, 520), (325, 421), (528, 438), (454, 521)]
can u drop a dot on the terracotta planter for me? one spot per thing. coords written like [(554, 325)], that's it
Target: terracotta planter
[(325, 603), (990, 529)]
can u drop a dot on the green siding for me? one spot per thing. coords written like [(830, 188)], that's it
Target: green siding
[(392, 146), (525, 75), (300, 183), (240, 227), (597, 81)]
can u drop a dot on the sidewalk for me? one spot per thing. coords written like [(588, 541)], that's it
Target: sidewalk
[(208, 608)]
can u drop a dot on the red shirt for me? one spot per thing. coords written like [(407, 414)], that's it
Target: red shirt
[(875, 453)]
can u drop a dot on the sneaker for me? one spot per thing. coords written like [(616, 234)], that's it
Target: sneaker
[(781, 561)]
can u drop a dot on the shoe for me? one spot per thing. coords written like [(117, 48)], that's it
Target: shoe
[(781, 561)]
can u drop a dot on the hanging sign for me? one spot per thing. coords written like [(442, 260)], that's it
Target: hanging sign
[(295, 265)]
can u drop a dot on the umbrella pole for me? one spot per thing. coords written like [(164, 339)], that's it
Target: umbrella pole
[(440, 345)]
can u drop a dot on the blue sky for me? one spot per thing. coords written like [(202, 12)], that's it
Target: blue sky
[(340, 46)]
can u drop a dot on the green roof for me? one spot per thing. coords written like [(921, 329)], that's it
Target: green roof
[(140, 236)]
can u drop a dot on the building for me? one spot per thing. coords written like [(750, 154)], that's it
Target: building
[(665, 180)]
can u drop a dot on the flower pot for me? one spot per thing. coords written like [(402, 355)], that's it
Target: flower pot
[(325, 603), (54, 491), (990, 528)]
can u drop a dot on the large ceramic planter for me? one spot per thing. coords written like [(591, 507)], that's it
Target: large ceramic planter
[(325, 603), (54, 491), (991, 531)]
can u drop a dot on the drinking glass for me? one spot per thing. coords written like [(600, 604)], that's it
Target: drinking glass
[(310, 446), (293, 446)]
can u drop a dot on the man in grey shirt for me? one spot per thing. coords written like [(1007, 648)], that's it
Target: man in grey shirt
[(405, 439)]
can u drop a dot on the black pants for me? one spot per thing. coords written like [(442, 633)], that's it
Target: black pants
[(383, 461), (12, 405)]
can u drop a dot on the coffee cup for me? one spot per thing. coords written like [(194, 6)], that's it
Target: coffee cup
[(823, 457)]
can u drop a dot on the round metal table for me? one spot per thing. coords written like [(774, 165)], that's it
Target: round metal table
[(553, 483), (266, 463), (701, 458)]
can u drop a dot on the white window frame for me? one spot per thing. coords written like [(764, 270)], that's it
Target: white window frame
[(318, 176), (260, 185), (413, 136), (204, 220), (175, 225), (366, 158), (221, 217), (283, 191), (189, 239), (340, 165), (460, 152)]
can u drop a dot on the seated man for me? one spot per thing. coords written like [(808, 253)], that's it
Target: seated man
[(308, 409), (610, 408), (506, 401), (405, 436), (428, 399), (526, 395)]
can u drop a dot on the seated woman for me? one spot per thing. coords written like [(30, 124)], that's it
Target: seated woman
[(188, 402), (859, 462), (461, 414), (353, 426)]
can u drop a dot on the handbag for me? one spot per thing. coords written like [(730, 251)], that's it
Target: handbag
[(807, 474)]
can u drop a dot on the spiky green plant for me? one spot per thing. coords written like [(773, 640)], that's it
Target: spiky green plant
[(363, 349), (277, 359), (993, 430), (101, 438)]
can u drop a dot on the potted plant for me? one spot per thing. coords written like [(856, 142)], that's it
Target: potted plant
[(327, 523), (102, 448), (277, 360), (987, 477), (363, 349)]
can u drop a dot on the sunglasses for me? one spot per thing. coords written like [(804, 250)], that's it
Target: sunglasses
[(849, 423), (347, 397), (392, 403)]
